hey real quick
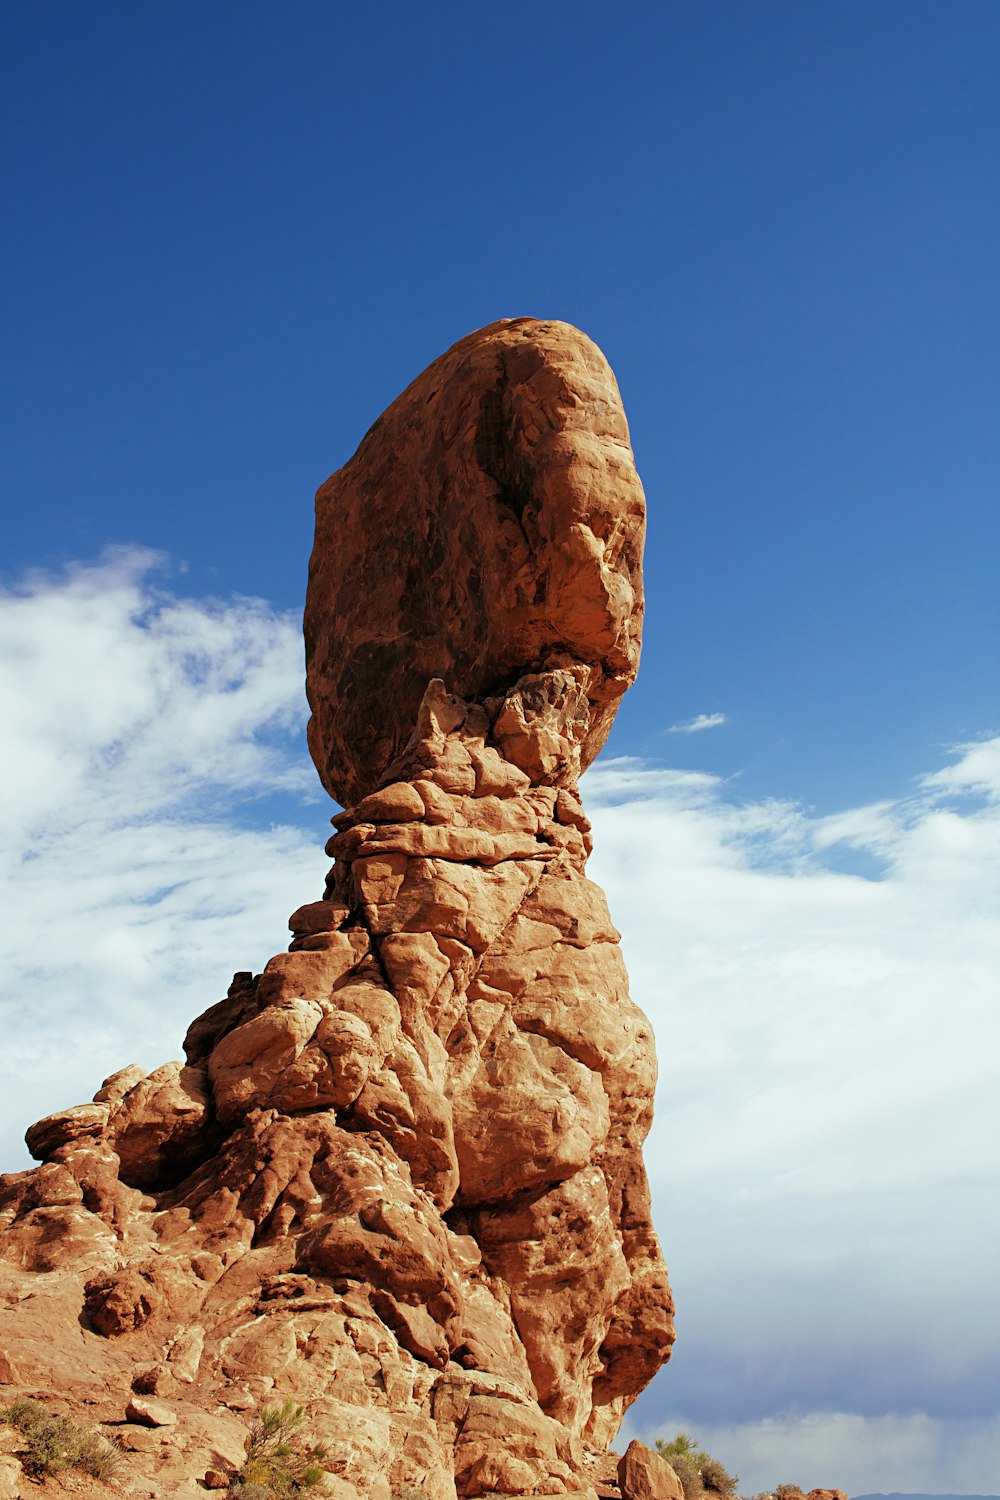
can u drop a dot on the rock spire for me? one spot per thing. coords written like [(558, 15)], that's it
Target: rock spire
[(398, 1177)]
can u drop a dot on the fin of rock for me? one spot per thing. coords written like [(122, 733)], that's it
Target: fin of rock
[(399, 1178)]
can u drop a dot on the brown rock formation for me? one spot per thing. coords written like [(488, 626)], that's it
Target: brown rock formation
[(493, 523), (399, 1177), (644, 1475)]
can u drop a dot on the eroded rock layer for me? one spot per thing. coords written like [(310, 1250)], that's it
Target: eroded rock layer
[(399, 1176)]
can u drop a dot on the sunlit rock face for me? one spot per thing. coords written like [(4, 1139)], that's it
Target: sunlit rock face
[(489, 528), (399, 1176)]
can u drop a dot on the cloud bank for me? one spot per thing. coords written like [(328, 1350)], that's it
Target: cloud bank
[(911, 1454), (823, 989), (823, 1157), (144, 739)]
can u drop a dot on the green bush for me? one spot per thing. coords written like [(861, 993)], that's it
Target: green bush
[(279, 1464), (681, 1446), (57, 1443), (699, 1473)]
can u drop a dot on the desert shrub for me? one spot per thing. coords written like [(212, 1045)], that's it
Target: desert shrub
[(715, 1478), (679, 1447), (56, 1443), (788, 1492), (279, 1462), (699, 1473), (689, 1474), (680, 1454)]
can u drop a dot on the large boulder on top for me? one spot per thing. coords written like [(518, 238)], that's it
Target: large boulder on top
[(496, 524)]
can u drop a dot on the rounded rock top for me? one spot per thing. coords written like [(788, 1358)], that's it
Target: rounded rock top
[(489, 526)]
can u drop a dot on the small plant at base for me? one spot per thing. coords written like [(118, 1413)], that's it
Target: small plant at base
[(699, 1473), (715, 1477), (278, 1465), (57, 1443)]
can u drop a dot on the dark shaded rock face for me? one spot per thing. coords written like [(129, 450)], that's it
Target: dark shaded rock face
[(490, 526), (399, 1177)]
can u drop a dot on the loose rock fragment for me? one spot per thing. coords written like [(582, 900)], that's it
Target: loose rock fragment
[(644, 1475), (149, 1413)]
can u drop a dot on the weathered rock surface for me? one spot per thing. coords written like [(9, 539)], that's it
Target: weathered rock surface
[(644, 1475), (399, 1176), (494, 523)]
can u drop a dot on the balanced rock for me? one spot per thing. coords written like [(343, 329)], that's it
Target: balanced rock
[(399, 1177), (489, 527)]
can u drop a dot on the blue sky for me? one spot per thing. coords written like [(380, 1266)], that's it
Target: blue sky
[(240, 230)]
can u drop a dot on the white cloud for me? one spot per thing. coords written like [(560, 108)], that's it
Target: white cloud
[(161, 699), (976, 770), (139, 726), (822, 1159), (700, 721)]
